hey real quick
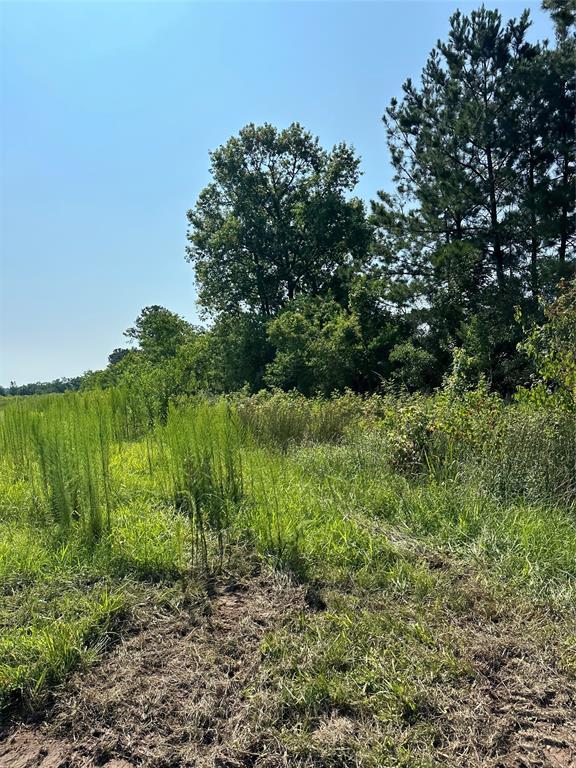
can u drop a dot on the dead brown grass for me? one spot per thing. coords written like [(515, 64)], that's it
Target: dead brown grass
[(171, 694), (186, 687)]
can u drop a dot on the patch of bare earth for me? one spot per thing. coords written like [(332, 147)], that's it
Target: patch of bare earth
[(173, 693), (519, 712)]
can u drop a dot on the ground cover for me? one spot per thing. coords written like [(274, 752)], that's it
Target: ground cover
[(274, 581)]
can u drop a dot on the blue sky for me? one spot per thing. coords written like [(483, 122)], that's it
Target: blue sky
[(108, 111)]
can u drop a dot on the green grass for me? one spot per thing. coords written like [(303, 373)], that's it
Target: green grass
[(376, 503), (367, 667)]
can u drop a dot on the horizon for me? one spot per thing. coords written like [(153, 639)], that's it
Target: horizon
[(107, 122)]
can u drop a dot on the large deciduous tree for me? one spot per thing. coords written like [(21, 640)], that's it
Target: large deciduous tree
[(277, 221)]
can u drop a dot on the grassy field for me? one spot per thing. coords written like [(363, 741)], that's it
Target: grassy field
[(383, 581)]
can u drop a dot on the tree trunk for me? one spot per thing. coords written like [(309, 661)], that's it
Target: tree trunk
[(494, 226), (534, 243), (564, 214)]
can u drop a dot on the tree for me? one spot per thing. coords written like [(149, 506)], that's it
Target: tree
[(276, 222), (318, 347), (238, 351), (552, 348), (563, 14), (482, 219), (117, 354), (415, 367), (322, 347), (448, 140), (561, 108), (43, 387), (159, 333), (542, 98)]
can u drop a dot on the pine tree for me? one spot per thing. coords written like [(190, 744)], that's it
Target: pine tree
[(483, 215)]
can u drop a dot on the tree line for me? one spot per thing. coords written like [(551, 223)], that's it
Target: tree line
[(43, 387), (302, 285)]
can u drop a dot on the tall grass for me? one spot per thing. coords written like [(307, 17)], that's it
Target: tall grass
[(61, 447), (336, 490), (212, 460), (284, 419), (199, 467)]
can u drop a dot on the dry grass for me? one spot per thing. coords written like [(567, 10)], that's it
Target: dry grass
[(258, 671)]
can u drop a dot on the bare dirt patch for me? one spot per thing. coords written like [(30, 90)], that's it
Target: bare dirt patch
[(173, 693), (525, 713), (519, 710)]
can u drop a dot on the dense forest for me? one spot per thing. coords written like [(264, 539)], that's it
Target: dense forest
[(303, 286)]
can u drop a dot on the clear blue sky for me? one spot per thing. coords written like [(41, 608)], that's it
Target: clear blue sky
[(108, 111)]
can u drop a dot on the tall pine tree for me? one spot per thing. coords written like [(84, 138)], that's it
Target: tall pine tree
[(482, 219)]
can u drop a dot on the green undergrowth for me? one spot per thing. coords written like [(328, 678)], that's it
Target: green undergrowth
[(335, 511), (47, 632), (358, 683), (369, 675), (401, 515), (62, 601)]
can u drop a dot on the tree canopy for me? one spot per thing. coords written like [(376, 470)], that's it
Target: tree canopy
[(301, 288), (483, 215), (276, 222), (158, 333)]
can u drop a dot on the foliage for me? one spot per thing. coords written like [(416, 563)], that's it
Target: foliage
[(42, 387), (318, 347), (326, 488), (383, 467), (483, 216), (158, 333), (237, 352), (552, 347), (275, 222)]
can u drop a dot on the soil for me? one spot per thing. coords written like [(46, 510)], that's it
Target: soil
[(519, 712)]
